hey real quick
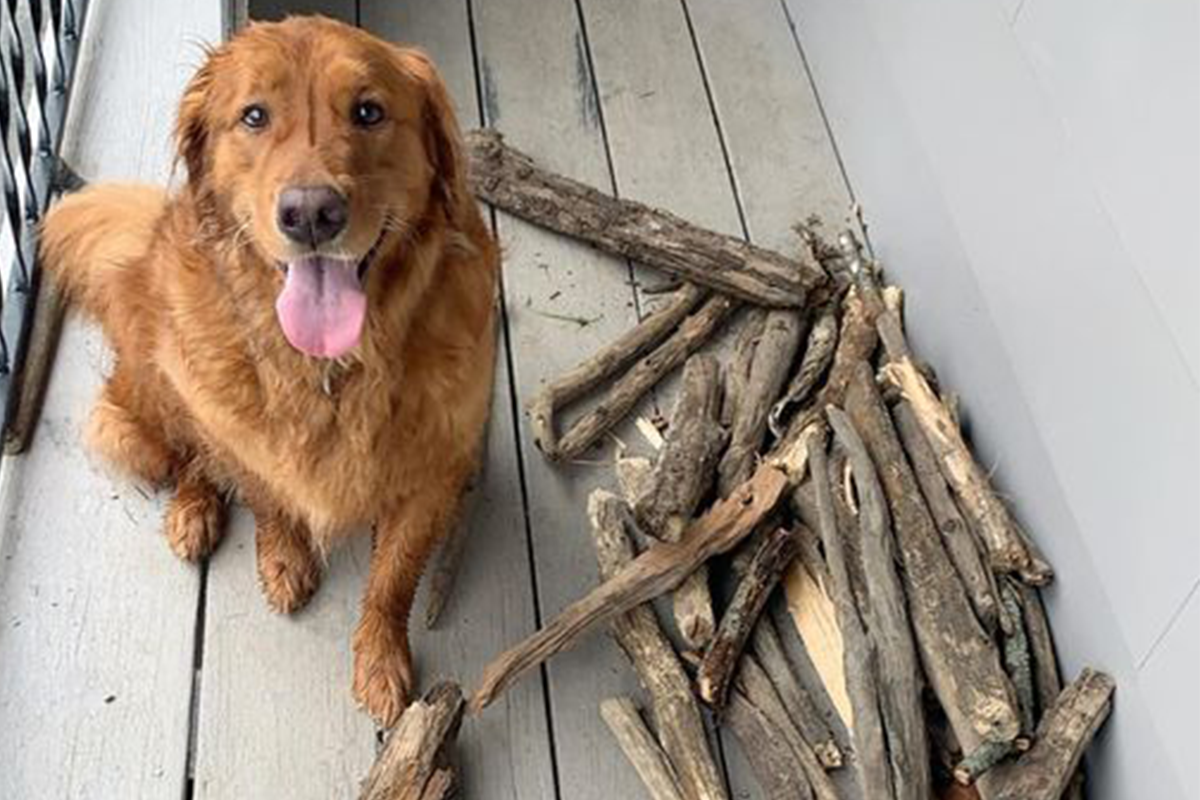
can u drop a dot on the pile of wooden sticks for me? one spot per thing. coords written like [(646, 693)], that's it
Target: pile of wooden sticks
[(849, 596)]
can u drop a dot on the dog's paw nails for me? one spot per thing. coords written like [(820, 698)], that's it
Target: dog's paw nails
[(288, 583), (383, 680), (193, 526)]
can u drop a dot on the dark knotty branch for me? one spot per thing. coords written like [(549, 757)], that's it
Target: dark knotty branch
[(887, 619), (961, 660), (676, 712), (625, 392), (659, 569), (859, 658), (414, 764), (959, 541), (640, 747), (510, 180), (799, 704), (765, 375), (1066, 730), (681, 476), (721, 659), (818, 353), (605, 364)]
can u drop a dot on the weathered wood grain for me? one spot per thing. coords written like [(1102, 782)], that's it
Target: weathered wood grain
[(417, 752), (640, 747)]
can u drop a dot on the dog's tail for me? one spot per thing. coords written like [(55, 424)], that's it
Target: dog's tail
[(93, 239)]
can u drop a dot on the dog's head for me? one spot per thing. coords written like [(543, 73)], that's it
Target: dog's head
[(323, 149)]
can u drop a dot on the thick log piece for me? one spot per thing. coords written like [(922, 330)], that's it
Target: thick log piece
[(818, 354), (640, 747), (587, 376), (675, 710), (656, 571), (683, 473), (509, 180), (752, 682), (418, 749), (859, 657), (776, 768), (721, 659), (799, 704), (961, 660), (624, 394), (1066, 730), (960, 542), (887, 623), (767, 372)]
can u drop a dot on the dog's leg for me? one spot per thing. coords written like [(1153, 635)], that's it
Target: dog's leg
[(117, 434), (288, 569), (383, 674), (195, 516)]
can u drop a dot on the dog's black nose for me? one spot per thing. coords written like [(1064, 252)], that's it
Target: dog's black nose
[(312, 215)]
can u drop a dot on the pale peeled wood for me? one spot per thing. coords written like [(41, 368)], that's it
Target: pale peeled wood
[(640, 747), (813, 614), (417, 750)]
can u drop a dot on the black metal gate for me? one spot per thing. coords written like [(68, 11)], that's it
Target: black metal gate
[(39, 45)]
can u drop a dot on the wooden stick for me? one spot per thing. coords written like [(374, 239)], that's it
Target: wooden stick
[(442, 785), (961, 660), (683, 473), (762, 574), (640, 747), (1018, 660), (510, 180), (737, 367), (799, 704), (659, 569), (588, 375), (676, 712), (779, 774), (768, 371), (887, 622), (625, 393), (1046, 680), (959, 541), (818, 353), (1066, 730), (753, 683), (417, 748), (859, 658)]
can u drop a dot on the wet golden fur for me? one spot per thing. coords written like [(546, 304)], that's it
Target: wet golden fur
[(206, 394)]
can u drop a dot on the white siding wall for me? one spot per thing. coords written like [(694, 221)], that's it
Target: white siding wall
[(1030, 171)]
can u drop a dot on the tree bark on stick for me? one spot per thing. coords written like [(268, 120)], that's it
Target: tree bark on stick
[(625, 393), (1066, 730), (683, 473), (602, 366), (640, 747), (659, 569), (959, 541), (961, 660), (778, 773), (887, 622), (637, 632), (768, 371), (818, 354), (510, 180), (799, 704), (725, 651), (417, 749), (859, 657)]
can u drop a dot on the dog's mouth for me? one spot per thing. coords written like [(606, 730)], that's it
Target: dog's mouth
[(323, 307)]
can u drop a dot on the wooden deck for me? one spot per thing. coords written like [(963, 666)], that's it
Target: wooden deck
[(126, 674)]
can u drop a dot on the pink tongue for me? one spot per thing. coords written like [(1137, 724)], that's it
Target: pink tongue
[(322, 306)]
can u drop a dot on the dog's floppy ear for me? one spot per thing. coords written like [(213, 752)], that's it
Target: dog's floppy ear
[(192, 123), (443, 141)]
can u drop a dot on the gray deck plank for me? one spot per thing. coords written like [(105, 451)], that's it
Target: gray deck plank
[(505, 753), (537, 90), (96, 615)]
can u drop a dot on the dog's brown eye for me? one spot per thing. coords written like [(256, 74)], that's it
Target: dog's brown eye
[(255, 116), (367, 113)]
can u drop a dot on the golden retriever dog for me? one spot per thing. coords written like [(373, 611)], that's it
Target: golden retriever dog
[(309, 321)]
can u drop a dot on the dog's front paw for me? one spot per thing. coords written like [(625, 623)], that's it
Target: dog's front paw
[(288, 573), (195, 523), (383, 674)]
